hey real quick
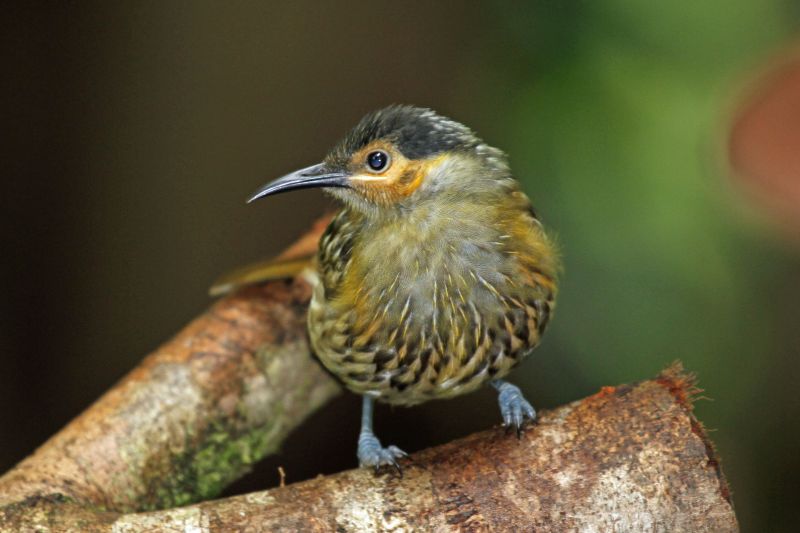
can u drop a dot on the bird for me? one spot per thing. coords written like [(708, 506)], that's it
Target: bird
[(435, 277)]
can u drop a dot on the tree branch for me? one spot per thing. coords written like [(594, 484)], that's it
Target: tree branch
[(228, 388), (630, 458)]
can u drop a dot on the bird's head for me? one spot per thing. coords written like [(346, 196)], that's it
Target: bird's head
[(400, 157)]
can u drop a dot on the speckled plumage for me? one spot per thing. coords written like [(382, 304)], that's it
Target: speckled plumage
[(436, 276), (450, 288)]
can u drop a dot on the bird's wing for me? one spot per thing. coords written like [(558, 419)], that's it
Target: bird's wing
[(260, 272)]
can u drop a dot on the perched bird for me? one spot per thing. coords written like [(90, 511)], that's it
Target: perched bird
[(435, 278)]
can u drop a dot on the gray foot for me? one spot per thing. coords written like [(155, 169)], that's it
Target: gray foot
[(372, 454), (513, 405)]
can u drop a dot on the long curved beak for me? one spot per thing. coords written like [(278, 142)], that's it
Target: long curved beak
[(305, 178)]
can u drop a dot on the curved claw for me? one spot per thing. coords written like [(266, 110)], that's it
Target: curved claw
[(372, 454), (514, 408)]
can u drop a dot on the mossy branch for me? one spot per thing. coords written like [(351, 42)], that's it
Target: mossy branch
[(225, 392)]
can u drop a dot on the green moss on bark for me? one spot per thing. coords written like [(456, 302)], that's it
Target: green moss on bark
[(202, 473)]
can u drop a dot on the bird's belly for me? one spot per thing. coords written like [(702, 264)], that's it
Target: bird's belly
[(407, 359)]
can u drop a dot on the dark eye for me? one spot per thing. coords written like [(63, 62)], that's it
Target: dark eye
[(377, 160)]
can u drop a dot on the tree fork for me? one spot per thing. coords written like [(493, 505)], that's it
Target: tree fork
[(226, 390)]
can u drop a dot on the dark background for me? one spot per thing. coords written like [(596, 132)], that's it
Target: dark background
[(132, 133)]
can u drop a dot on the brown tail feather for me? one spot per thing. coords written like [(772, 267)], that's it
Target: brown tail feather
[(260, 272)]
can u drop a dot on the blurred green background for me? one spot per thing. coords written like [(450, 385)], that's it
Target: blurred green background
[(134, 131)]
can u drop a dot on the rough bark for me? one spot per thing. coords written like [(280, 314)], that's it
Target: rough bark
[(630, 458), (194, 415), (228, 388)]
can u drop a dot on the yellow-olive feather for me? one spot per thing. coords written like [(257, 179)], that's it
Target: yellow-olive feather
[(436, 276)]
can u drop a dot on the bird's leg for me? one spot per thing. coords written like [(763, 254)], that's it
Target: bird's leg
[(370, 451), (513, 405)]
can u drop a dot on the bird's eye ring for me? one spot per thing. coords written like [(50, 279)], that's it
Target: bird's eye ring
[(378, 161)]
